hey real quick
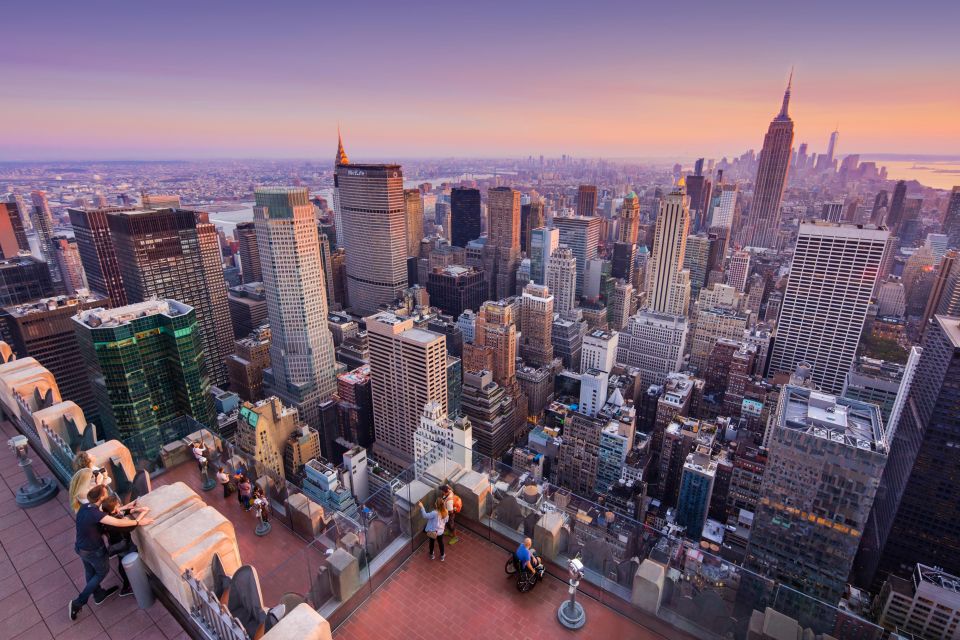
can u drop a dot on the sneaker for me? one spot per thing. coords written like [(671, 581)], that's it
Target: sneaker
[(74, 611), (442, 558), (125, 591), (453, 540), (431, 556), (106, 594)]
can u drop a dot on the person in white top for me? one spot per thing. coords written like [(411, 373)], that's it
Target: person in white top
[(436, 520)]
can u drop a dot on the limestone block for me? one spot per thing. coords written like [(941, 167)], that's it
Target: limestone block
[(473, 488), (168, 499), (114, 450), (439, 472), (303, 623), (547, 534), (411, 522), (53, 418), (648, 584), (190, 530), (175, 453), (344, 574), (199, 558), (306, 516)]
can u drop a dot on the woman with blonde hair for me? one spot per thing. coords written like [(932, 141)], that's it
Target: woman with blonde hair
[(85, 477), (436, 520)]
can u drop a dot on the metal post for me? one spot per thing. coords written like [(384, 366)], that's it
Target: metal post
[(571, 613), (139, 582), (37, 490)]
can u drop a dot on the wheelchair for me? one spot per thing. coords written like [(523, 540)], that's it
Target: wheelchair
[(526, 580)]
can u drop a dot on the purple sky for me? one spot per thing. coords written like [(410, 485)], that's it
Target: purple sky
[(620, 79)]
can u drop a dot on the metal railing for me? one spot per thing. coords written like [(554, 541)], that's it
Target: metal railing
[(212, 616)]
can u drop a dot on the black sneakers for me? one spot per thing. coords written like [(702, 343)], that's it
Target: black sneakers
[(106, 594), (125, 591), (74, 611)]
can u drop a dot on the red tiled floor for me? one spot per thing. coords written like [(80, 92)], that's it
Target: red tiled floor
[(469, 596), (39, 573), (282, 558)]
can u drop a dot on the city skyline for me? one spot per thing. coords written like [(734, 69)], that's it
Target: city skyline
[(450, 90)]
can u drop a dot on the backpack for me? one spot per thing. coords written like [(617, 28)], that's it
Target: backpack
[(457, 504)]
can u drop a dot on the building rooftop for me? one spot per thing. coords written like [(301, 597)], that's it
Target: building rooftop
[(852, 422), (122, 315), (951, 326), (42, 305)]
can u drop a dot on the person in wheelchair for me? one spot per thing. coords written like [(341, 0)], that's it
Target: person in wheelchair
[(528, 559)]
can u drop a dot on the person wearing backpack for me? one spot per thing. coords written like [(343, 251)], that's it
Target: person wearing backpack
[(453, 505)]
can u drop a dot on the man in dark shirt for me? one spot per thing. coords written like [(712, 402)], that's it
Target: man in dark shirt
[(92, 550)]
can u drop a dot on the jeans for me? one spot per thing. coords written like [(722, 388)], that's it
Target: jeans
[(438, 541), (96, 566)]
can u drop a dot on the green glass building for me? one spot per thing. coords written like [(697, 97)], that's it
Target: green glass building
[(147, 366)]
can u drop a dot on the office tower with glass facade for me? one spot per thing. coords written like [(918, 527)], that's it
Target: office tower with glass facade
[(826, 457), (303, 368), (246, 235), (374, 219), (825, 305), (24, 279), (543, 242), (531, 217), (175, 254), (147, 365), (97, 252), (413, 207), (454, 289), (465, 216), (43, 225)]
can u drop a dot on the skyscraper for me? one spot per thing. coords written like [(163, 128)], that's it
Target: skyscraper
[(587, 200), (464, 216), (24, 279), (536, 347), (629, 219), (339, 160), (374, 222), (826, 456), (763, 223), (13, 239), (43, 224), (543, 242), (531, 217), (303, 369), (408, 368), (175, 254), (897, 205), (561, 278), (246, 234), (502, 250), (69, 264), (739, 271), (669, 285), (97, 252), (827, 161), (951, 221), (916, 509), (413, 205), (825, 305), (148, 368), (727, 212), (582, 235)]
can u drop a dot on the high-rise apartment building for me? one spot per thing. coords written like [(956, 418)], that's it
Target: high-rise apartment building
[(465, 215), (951, 220), (582, 235), (408, 368), (43, 225), (655, 344), (536, 347), (246, 365), (147, 365), (43, 329), (763, 223), (303, 368), (246, 235), (492, 412), (495, 343), (561, 278), (413, 206), (175, 254), (374, 221), (69, 264), (13, 238), (543, 242), (825, 304), (695, 260), (726, 214), (599, 350), (501, 253), (826, 456), (696, 489), (587, 200), (669, 284), (97, 252), (898, 202), (739, 271)]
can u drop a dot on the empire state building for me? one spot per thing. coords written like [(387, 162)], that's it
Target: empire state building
[(764, 220)]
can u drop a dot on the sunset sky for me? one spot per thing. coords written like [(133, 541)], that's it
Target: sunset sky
[(105, 80)]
